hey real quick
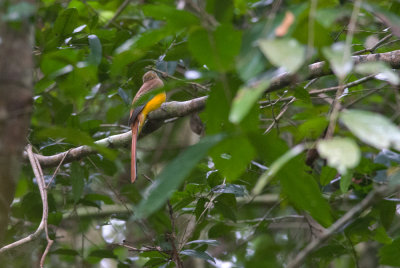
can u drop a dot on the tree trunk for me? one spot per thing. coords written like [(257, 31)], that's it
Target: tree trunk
[(16, 66)]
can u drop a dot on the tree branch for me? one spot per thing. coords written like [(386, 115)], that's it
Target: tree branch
[(168, 110), (320, 69), (43, 223), (319, 91), (16, 66), (352, 213), (179, 109), (117, 13)]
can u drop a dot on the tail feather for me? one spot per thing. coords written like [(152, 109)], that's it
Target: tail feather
[(134, 128)]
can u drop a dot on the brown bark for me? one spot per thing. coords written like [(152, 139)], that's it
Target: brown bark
[(15, 105), (321, 68)]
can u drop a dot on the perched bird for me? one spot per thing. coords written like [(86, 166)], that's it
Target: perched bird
[(139, 113)]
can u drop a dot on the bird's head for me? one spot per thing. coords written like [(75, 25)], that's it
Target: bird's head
[(150, 75)]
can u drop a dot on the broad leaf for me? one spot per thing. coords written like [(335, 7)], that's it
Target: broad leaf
[(197, 254), (245, 99), (372, 128), (286, 53), (216, 49), (173, 175), (341, 63), (341, 153), (77, 181)]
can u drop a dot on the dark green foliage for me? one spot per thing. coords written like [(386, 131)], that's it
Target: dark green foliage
[(196, 196)]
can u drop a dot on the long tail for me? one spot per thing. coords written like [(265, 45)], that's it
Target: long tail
[(134, 128)]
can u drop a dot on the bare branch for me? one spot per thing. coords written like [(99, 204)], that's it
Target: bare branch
[(168, 110), (320, 69), (319, 91), (165, 74), (179, 109), (172, 238), (372, 49), (43, 223), (351, 214), (283, 111), (117, 13)]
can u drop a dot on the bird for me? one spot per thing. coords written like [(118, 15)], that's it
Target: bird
[(139, 111)]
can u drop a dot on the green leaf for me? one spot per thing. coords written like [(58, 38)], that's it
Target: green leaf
[(389, 253), (77, 181), (345, 181), (176, 19), (65, 23), (391, 19), (387, 212), (198, 211), (372, 128), (219, 230), (327, 175), (237, 190), (95, 50), (245, 99), (232, 156), (55, 61), (124, 96), (327, 16), (381, 236), (122, 60), (341, 153), (303, 192), (55, 218), (302, 94), (226, 205), (210, 242), (19, 11), (76, 137), (251, 61), (197, 254), (217, 111), (216, 49), (102, 253), (155, 262), (65, 251), (286, 53), (99, 197), (265, 252), (312, 128), (382, 70), (341, 65), (173, 175), (266, 177)]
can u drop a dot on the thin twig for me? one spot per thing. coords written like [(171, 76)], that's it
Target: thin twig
[(319, 91), (335, 112), (346, 55), (37, 170), (327, 233), (58, 167), (165, 74), (372, 49), (145, 249), (284, 109), (373, 91), (43, 223), (118, 12), (172, 237)]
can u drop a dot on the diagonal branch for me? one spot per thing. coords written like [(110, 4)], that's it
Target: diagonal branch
[(175, 109), (350, 215), (117, 13), (168, 110), (43, 223), (321, 68)]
